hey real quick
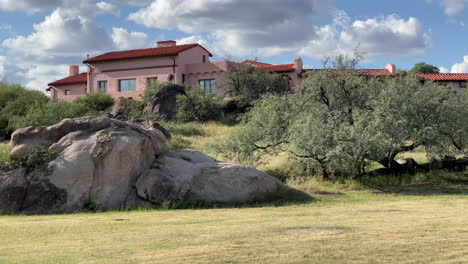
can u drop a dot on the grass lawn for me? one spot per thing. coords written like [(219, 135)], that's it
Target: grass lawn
[(399, 219), (351, 227)]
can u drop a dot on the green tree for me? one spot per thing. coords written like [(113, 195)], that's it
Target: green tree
[(341, 121), (249, 84), (423, 67), (198, 105)]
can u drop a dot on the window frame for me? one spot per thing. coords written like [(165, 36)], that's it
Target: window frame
[(100, 88), (67, 92), (149, 82), (120, 85), (204, 59), (212, 85), (463, 84)]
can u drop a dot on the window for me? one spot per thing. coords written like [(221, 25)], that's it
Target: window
[(208, 85), (171, 78), (151, 82), (463, 84), (102, 85), (67, 92), (183, 78), (127, 85), (204, 58)]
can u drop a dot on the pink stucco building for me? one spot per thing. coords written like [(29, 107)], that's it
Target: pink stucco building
[(128, 73)]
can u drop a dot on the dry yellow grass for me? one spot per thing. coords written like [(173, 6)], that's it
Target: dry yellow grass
[(356, 229)]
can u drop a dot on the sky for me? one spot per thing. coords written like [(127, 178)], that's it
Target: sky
[(39, 39)]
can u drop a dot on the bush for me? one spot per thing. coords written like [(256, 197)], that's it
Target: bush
[(131, 109), (183, 129), (37, 158), (199, 106), (51, 113), (96, 101), (15, 102), (151, 91)]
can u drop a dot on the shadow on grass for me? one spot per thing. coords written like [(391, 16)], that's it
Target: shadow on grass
[(431, 183), (286, 196)]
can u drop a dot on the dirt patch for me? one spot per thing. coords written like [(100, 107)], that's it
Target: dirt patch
[(317, 231), (385, 211)]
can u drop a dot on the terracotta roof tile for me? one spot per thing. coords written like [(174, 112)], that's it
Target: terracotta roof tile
[(77, 79), (367, 72), (256, 63), (142, 53), (277, 68), (445, 76)]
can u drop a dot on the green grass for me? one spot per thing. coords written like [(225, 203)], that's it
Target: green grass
[(344, 223), (418, 218)]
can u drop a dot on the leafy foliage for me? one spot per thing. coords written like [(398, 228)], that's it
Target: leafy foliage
[(51, 113), (341, 121), (250, 84), (15, 101), (199, 106), (96, 101), (37, 158), (423, 67)]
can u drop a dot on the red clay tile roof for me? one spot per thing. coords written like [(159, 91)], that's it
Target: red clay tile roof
[(445, 76), (277, 68), (77, 79), (141, 53), (255, 63), (367, 72)]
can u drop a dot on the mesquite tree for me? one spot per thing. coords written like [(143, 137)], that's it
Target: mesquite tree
[(343, 120)]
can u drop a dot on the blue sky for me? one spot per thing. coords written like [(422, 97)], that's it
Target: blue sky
[(39, 39)]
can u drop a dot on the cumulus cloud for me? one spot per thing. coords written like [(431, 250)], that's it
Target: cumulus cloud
[(76, 7), (130, 40), (239, 27), (2, 66), (63, 38), (385, 36), (132, 2), (443, 70), (453, 7), (269, 28), (461, 67)]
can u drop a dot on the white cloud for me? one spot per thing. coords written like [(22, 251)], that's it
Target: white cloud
[(63, 38), (238, 27), (108, 8), (130, 40), (76, 7), (453, 7), (461, 67), (2, 66), (132, 2), (269, 28), (443, 70), (386, 36)]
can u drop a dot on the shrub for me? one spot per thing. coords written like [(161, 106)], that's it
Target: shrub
[(131, 109), (183, 129), (199, 106), (51, 113), (96, 101), (15, 102), (37, 158), (151, 91)]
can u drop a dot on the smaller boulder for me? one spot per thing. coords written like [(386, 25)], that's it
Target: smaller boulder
[(164, 103), (13, 189)]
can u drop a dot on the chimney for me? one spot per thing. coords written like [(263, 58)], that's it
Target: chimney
[(167, 43), (298, 65), (74, 70), (391, 68)]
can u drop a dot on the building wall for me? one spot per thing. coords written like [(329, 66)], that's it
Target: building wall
[(76, 90), (454, 86)]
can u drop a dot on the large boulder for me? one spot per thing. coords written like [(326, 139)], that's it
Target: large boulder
[(99, 160), (164, 103), (192, 175), (109, 163)]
